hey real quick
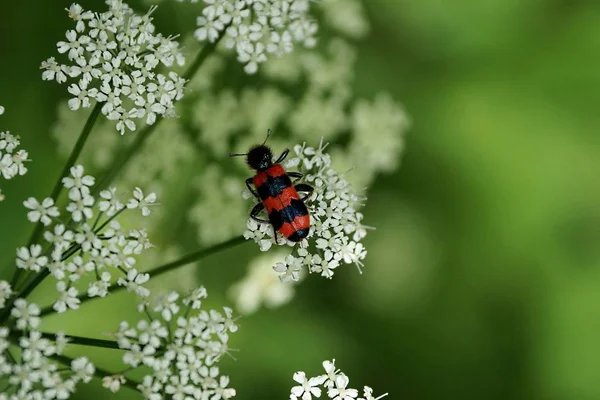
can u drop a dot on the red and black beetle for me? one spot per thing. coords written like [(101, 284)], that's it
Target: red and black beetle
[(277, 193)]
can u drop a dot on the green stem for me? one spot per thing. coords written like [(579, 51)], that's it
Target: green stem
[(127, 153), (85, 341), (58, 186), (98, 372), (157, 271)]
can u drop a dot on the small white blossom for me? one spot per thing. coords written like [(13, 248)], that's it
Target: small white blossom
[(67, 298), (110, 204), (11, 159), (43, 212), (27, 314), (113, 383), (5, 293), (134, 283), (60, 238), (140, 202), (100, 287), (81, 205), (31, 258), (308, 387), (340, 391), (83, 369), (78, 182)]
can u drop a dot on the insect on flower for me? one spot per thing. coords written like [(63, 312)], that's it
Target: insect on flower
[(277, 193)]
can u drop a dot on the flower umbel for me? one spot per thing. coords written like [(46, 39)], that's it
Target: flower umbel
[(255, 29), (114, 58), (334, 382), (94, 245), (336, 229), (181, 343), (36, 375)]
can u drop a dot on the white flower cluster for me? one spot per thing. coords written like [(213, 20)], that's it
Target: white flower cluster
[(35, 375), (334, 382), (181, 343), (12, 158), (336, 227), (255, 28), (92, 246), (113, 57)]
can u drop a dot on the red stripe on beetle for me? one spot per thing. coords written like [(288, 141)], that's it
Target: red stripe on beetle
[(288, 229), (281, 201)]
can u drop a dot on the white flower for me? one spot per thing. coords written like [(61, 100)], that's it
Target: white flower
[(11, 162), (110, 203), (31, 258), (67, 298), (113, 383), (83, 369), (134, 283), (60, 238), (77, 182), (252, 55), (81, 205), (308, 387), (194, 300), (340, 391), (1, 110), (5, 293), (140, 202), (100, 287), (27, 314), (113, 57)]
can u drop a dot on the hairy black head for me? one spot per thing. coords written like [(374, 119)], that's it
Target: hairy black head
[(259, 157)]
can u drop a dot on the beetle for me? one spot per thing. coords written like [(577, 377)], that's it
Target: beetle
[(277, 193)]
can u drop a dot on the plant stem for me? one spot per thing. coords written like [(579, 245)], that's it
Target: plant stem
[(98, 372), (84, 341), (127, 153), (157, 271), (85, 133)]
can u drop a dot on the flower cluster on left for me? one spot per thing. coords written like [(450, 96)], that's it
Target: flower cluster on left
[(34, 372), (114, 58), (92, 244), (11, 157)]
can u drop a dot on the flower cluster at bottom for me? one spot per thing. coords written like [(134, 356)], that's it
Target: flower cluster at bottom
[(34, 372), (334, 382), (181, 344)]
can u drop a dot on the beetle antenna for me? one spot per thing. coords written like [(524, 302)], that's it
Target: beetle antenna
[(237, 154), (269, 133)]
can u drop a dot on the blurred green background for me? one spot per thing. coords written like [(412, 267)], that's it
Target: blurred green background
[(483, 276)]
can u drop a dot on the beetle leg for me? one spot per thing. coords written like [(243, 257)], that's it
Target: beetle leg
[(282, 156), (249, 181), (303, 187), (256, 210), (295, 175)]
